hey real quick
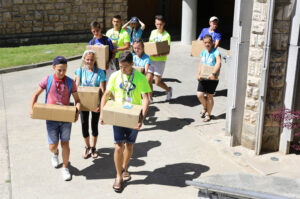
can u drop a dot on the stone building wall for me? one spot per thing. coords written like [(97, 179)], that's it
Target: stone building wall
[(30, 21)]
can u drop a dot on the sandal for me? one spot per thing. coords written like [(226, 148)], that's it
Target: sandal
[(126, 176), (118, 185), (207, 118), (94, 153), (86, 152), (202, 114)]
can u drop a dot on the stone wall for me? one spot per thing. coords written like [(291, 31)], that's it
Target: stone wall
[(34, 21), (257, 38), (277, 73)]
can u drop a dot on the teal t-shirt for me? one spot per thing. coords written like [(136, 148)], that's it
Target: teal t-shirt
[(88, 78), (209, 58)]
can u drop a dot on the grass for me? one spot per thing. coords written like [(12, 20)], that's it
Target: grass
[(25, 55)]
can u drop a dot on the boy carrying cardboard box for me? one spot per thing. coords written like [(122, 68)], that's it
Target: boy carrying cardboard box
[(58, 88)]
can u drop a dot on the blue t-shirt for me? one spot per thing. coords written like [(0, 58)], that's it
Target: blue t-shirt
[(135, 35), (209, 58), (145, 59), (101, 41), (215, 35), (87, 78)]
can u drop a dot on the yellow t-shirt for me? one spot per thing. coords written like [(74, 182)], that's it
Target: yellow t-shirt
[(155, 37), (118, 37)]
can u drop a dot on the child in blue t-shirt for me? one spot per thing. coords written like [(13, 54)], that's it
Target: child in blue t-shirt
[(91, 76), (211, 30), (140, 59), (211, 57), (135, 28)]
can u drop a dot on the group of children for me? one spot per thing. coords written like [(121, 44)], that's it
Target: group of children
[(125, 84)]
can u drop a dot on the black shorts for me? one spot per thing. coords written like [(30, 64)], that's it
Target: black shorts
[(207, 86)]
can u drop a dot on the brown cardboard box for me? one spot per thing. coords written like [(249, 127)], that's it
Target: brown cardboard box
[(197, 48), (114, 113), (206, 71), (102, 54), (89, 98), (141, 69), (54, 112), (156, 48)]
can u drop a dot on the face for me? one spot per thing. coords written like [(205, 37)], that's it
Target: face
[(96, 32), (138, 48), (213, 24), (159, 24), (133, 25), (116, 23), (126, 67), (60, 70), (208, 43), (89, 60)]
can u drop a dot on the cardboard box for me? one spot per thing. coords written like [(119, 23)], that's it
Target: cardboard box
[(102, 54), (141, 69), (89, 98), (54, 112), (197, 48), (114, 113), (206, 71), (156, 48)]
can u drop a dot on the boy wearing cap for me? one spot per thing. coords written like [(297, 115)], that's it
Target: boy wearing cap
[(119, 38), (58, 93), (211, 30), (135, 28)]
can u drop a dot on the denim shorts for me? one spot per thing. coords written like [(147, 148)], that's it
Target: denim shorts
[(58, 131), (122, 134)]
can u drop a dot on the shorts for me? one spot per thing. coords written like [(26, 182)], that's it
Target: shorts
[(157, 67), (207, 86), (58, 131), (124, 135)]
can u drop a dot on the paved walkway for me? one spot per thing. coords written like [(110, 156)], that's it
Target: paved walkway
[(173, 146)]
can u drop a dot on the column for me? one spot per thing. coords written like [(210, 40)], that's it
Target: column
[(188, 21)]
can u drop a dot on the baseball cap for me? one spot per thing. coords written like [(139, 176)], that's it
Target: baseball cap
[(214, 18), (59, 60), (134, 20)]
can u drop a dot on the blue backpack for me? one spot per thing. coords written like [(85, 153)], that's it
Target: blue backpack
[(49, 83)]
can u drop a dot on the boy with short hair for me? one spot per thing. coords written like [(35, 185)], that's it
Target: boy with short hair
[(58, 93), (119, 37), (158, 62), (130, 86), (100, 39), (212, 30)]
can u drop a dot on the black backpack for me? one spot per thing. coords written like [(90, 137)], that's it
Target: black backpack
[(105, 43)]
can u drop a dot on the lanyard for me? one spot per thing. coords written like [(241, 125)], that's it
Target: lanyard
[(115, 37), (88, 83), (125, 87), (156, 38), (59, 95), (139, 60)]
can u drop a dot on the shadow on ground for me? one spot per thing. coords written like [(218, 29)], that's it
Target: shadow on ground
[(171, 125), (171, 175), (103, 167)]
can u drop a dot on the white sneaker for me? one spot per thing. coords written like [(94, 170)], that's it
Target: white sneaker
[(66, 174), (54, 160), (150, 101), (169, 94)]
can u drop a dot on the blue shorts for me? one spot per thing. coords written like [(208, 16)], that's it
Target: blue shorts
[(122, 134), (58, 131)]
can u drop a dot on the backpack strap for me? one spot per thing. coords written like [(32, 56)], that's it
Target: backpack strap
[(49, 82), (70, 84), (93, 41)]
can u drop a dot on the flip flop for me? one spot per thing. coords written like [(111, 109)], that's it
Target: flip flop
[(94, 153), (202, 114), (86, 152), (207, 118), (118, 185), (126, 176)]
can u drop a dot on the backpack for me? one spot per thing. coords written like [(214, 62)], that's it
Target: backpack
[(49, 83), (105, 43)]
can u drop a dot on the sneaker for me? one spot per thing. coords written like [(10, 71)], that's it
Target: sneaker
[(54, 160), (169, 94), (66, 174), (150, 101)]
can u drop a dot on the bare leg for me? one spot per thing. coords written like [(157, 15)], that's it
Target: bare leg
[(65, 153), (118, 159), (94, 141), (53, 148), (127, 155), (202, 99), (210, 103), (160, 83), (150, 80), (87, 142)]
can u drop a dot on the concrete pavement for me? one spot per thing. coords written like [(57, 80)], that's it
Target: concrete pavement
[(173, 146)]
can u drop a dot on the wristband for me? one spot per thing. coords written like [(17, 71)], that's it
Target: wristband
[(214, 74)]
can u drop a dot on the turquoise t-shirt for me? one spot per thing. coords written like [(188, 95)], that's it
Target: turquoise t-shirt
[(209, 58), (88, 78), (141, 62), (135, 34)]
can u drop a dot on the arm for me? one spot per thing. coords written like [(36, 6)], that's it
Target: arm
[(217, 43), (143, 26), (104, 99), (77, 104), (34, 99), (146, 68), (125, 25), (145, 105), (77, 80), (199, 70), (216, 67), (126, 47)]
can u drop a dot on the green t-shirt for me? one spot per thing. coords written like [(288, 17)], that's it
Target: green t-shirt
[(139, 85), (119, 37), (155, 37)]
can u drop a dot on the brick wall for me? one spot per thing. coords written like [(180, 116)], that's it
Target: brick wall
[(25, 21)]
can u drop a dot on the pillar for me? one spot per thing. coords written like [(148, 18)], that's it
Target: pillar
[(188, 21)]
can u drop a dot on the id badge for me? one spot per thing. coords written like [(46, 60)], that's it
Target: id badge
[(127, 103)]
